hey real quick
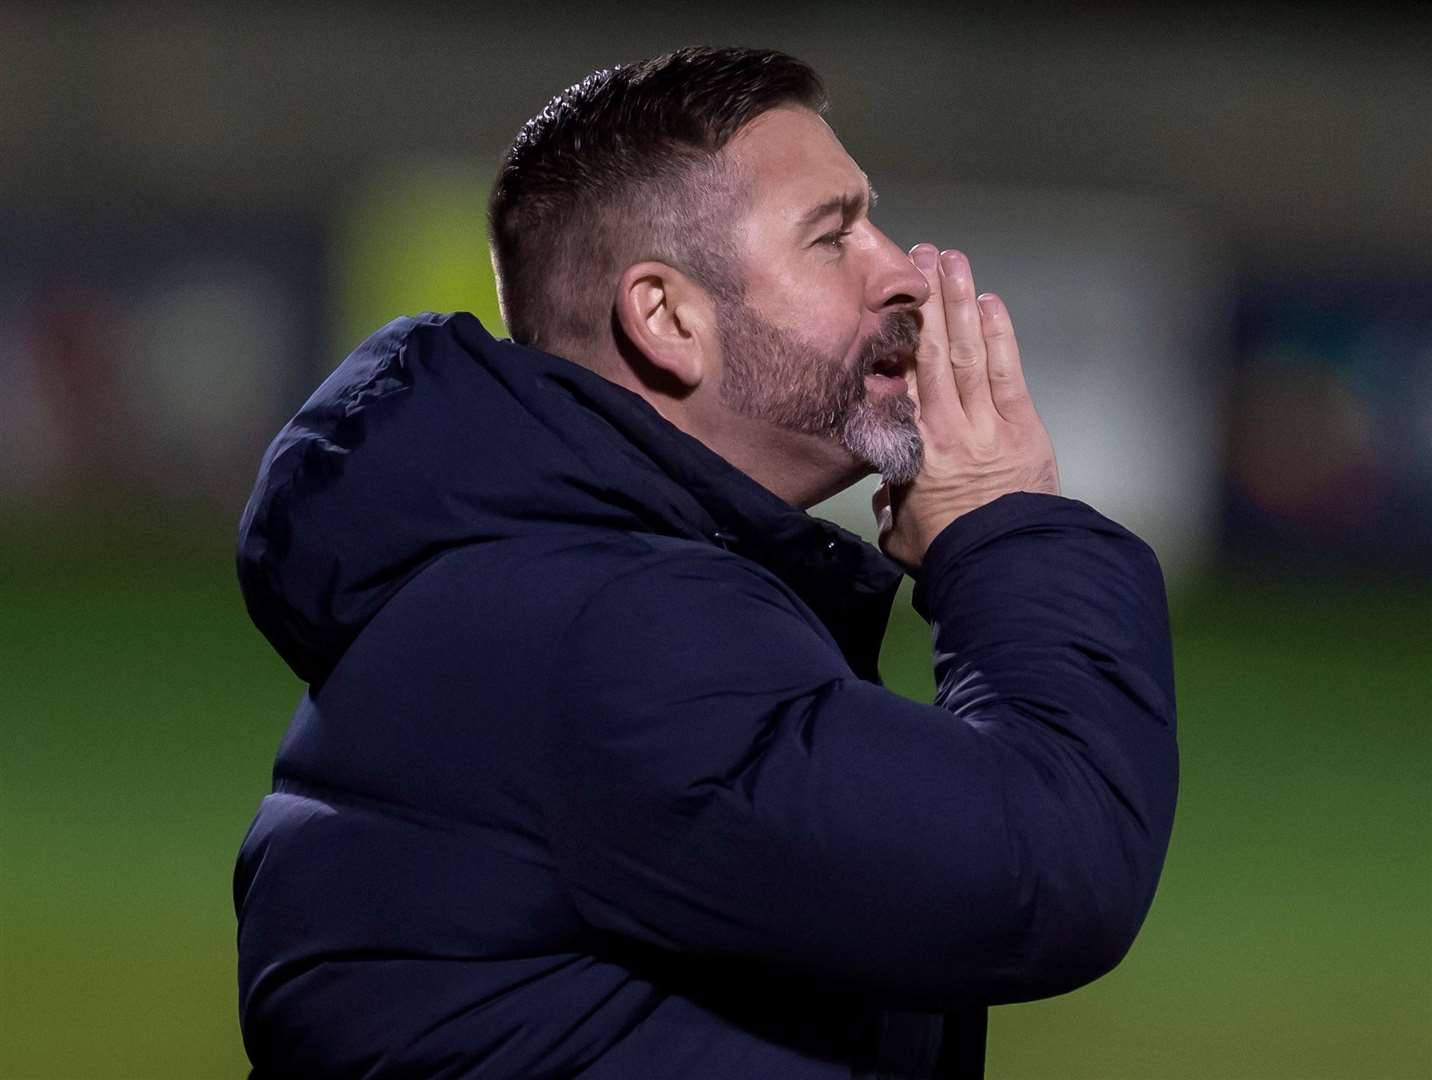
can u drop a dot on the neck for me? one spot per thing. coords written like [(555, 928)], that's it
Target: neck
[(802, 469)]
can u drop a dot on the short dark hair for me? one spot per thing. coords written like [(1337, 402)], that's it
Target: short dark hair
[(623, 167)]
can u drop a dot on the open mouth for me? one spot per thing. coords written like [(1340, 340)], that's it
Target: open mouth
[(887, 373)]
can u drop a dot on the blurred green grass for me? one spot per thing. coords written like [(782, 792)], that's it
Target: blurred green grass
[(1291, 936)]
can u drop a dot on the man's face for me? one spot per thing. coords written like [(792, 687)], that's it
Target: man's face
[(822, 339)]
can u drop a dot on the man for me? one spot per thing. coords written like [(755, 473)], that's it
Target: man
[(595, 775)]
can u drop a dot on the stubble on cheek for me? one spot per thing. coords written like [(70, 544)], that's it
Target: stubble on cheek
[(773, 375)]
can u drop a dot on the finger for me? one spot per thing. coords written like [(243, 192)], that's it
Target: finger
[(934, 381), (1007, 389), (967, 345)]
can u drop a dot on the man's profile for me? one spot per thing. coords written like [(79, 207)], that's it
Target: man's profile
[(595, 775)]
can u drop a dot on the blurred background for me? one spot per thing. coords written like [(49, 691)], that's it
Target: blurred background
[(1214, 229)]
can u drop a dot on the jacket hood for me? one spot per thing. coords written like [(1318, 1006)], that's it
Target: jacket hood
[(432, 434)]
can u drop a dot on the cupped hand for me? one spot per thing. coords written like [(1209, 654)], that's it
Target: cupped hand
[(981, 434)]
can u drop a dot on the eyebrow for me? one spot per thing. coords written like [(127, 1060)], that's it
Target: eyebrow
[(848, 205)]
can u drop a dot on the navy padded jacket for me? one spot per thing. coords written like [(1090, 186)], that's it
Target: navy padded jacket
[(595, 777)]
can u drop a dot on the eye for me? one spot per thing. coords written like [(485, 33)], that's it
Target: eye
[(835, 240)]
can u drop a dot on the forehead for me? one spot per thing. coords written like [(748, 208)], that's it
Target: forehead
[(793, 161)]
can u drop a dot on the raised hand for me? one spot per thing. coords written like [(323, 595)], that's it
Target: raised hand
[(982, 437)]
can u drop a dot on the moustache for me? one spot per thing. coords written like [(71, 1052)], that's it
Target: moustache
[(892, 345)]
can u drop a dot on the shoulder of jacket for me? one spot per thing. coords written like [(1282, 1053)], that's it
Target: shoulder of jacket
[(557, 574), (649, 560)]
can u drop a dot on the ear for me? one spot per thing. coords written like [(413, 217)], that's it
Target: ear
[(669, 319)]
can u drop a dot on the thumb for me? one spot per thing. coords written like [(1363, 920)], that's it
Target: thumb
[(884, 514), (880, 504)]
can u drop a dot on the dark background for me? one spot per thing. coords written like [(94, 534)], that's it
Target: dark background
[(1214, 230)]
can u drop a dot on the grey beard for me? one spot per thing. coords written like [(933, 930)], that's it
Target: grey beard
[(771, 374), (890, 444)]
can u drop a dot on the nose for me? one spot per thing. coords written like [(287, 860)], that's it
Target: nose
[(895, 283)]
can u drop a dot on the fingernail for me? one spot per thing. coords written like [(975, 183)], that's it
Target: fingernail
[(951, 262), (989, 303), (923, 256)]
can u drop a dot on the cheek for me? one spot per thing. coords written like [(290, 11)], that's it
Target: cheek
[(823, 309), (837, 329)]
